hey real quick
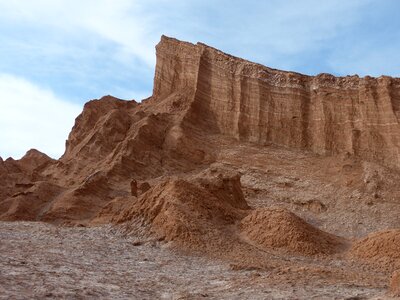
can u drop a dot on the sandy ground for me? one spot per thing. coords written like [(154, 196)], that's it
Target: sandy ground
[(39, 261)]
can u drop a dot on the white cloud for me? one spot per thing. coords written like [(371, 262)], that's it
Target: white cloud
[(278, 27), (32, 117), (119, 21)]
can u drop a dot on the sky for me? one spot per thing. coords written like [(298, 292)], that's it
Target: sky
[(55, 55)]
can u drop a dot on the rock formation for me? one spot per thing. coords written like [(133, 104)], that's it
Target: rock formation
[(134, 188), (250, 102), (169, 167), (186, 212)]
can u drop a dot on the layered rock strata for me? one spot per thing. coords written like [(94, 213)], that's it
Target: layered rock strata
[(251, 102)]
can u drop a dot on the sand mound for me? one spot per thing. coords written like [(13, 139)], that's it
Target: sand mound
[(183, 212), (380, 248), (110, 212), (282, 230)]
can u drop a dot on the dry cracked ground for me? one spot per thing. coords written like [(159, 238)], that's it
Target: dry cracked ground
[(39, 261)]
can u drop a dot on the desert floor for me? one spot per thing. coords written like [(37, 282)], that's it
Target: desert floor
[(39, 260)]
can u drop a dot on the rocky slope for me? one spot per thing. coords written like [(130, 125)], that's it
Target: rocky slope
[(234, 160)]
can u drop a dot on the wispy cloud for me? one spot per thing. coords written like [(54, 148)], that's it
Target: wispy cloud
[(80, 49), (283, 34), (32, 117), (116, 21)]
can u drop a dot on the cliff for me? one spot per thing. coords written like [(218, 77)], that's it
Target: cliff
[(270, 170), (252, 103), (204, 104)]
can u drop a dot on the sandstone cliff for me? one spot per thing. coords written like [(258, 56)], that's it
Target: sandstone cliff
[(203, 102), (250, 102), (232, 159)]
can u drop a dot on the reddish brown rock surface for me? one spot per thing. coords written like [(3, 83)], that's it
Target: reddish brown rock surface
[(265, 168), (250, 102), (395, 284)]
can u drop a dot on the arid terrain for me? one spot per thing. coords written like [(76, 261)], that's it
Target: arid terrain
[(87, 263), (233, 181)]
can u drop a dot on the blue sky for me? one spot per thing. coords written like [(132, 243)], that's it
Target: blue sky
[(57, 54)]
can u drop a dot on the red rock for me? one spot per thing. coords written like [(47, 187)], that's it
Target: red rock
[(134, 188), (205, 102), (395, 284), (144, 187), (213, 117), (250, 102)]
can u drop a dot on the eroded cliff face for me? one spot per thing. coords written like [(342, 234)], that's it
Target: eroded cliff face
[(250, 102), (204, 101), (223, 160)]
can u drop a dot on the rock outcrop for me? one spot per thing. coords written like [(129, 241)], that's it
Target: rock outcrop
[(17, 176), (163, 167), (189, 213), (250, 102)]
